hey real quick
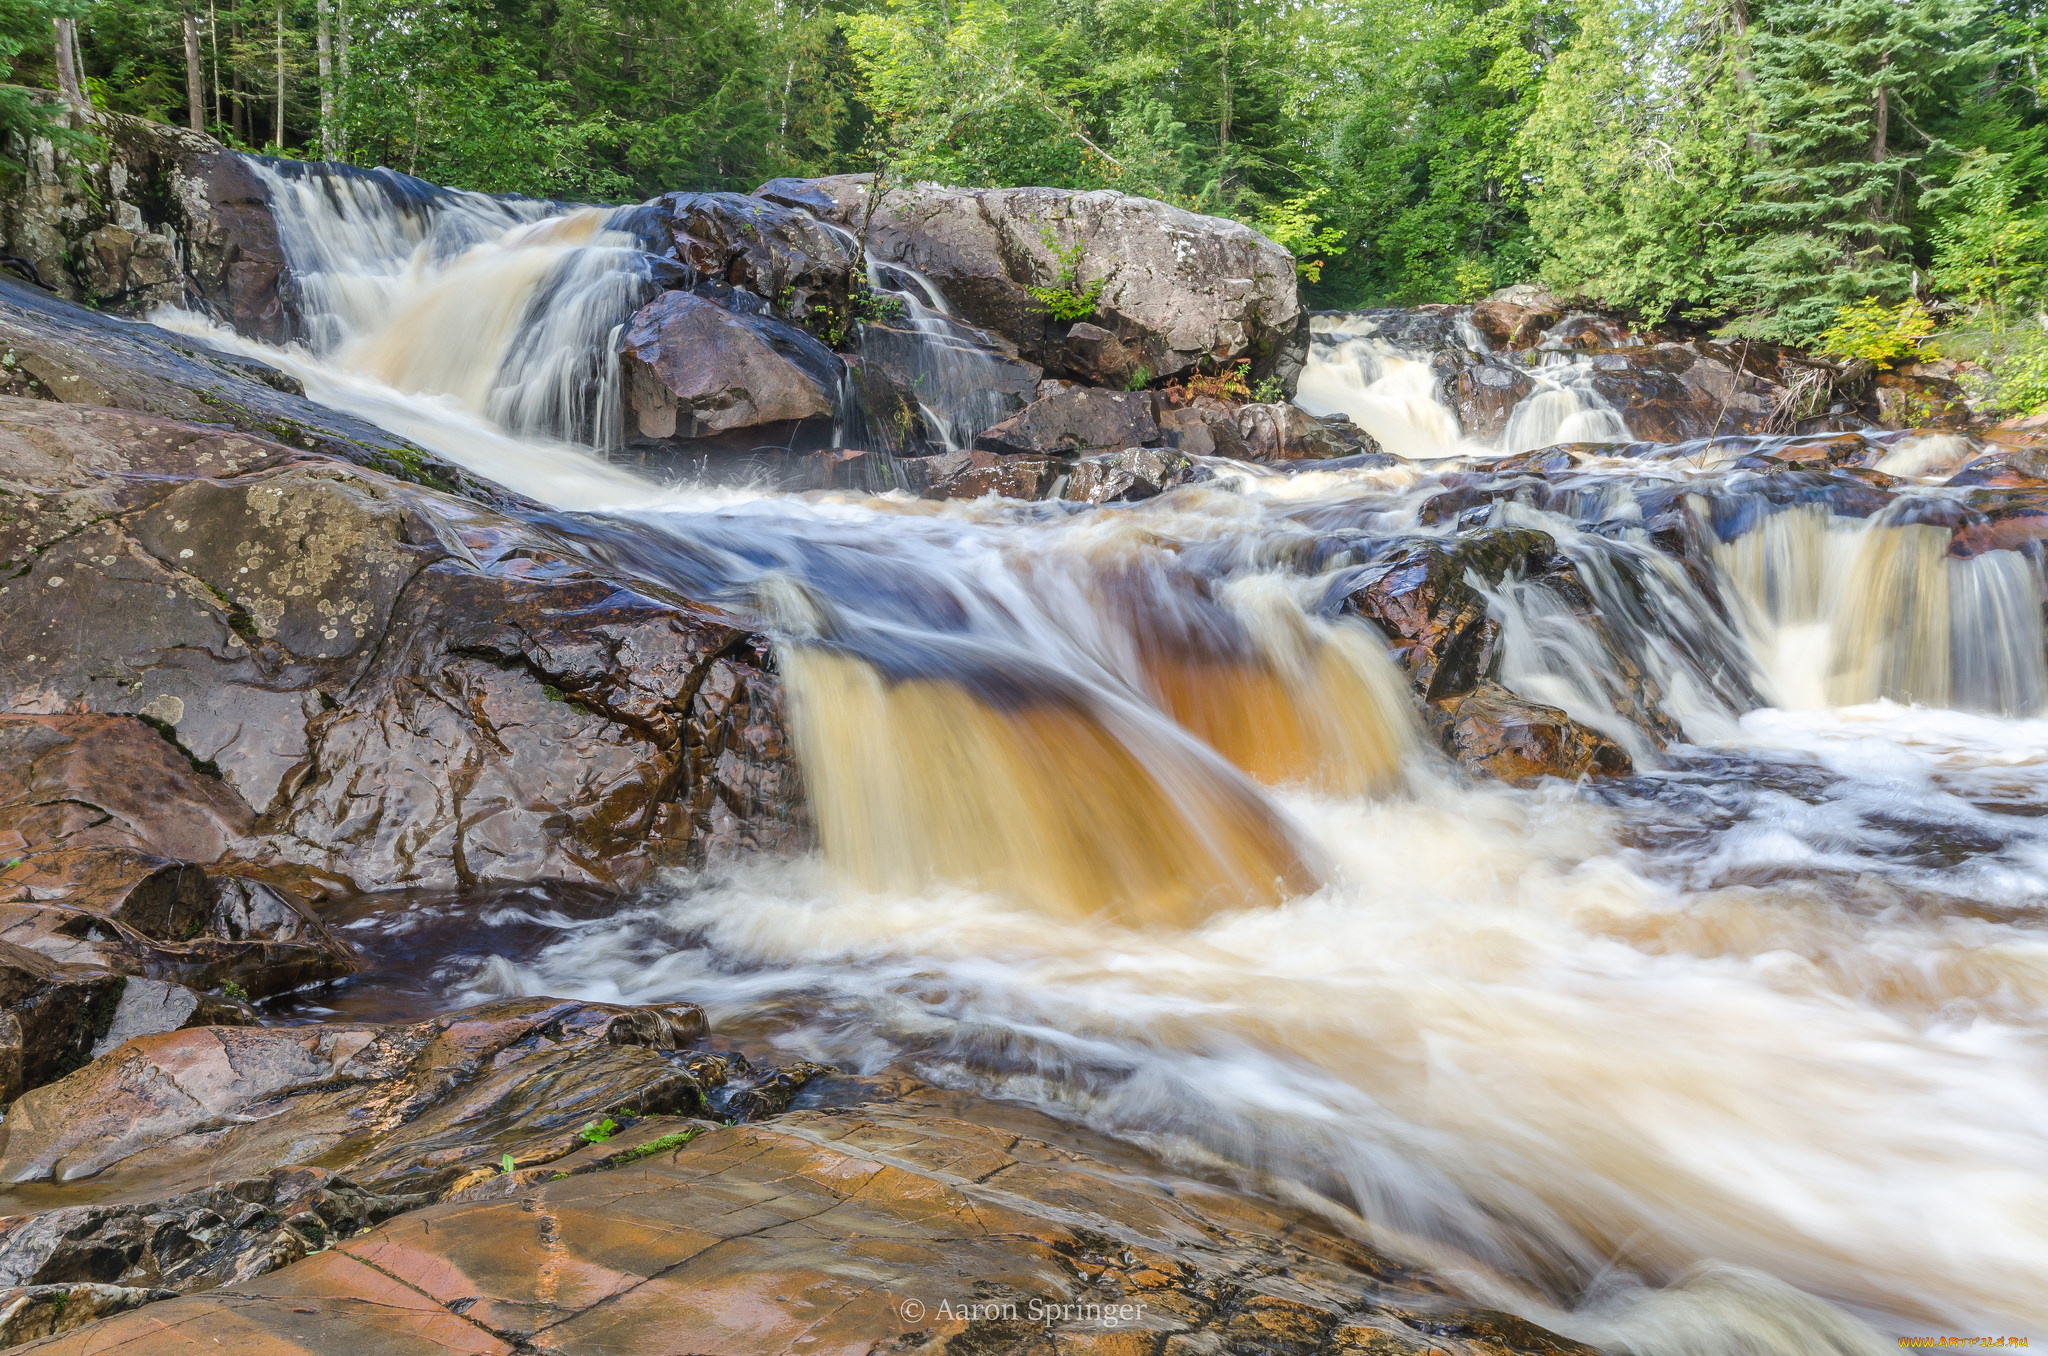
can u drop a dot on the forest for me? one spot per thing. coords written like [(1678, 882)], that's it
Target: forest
[(1862, 176)]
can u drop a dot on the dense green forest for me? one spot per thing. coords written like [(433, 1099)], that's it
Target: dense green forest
[(1849, 172)]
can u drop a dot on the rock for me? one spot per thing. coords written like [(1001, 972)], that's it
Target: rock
[(1207, 428), (165, 215), (1097, 356), (194, 1241), (1178, 290), (1437, 622), (781, 253), (697, 371), (399, 1109), (67, 354), (1511, 323), (51, 1015), (835, 1231), (1489, 729), (966, 382), (971, 475), (29, 1312), (420, 692), (1076, 422), (1482, 391), (1286, 432), (1122, 477)]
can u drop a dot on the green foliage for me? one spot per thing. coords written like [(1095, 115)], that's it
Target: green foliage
[(507, 1166), (1876, 333), (1269, 391), (2012, 375), (659, 1146), (1140, 379), (1292, 226), (597, 1132), (27, 44), (230, 989), (1988, 252), (1068, 299)]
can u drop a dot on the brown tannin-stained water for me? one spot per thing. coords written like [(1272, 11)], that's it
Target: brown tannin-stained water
[(1120, 816)]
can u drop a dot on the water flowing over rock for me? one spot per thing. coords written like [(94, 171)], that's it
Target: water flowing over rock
[(1178, 290)]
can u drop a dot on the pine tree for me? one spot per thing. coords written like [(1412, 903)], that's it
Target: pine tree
[(1846, 90)]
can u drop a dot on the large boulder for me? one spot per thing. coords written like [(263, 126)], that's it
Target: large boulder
[(938, 383), (723, 377), (402, 687), (165, 215), (1177, 290), (783, 254)]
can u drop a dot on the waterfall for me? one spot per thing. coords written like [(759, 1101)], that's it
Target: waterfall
[(507, 306), (1117, 818)]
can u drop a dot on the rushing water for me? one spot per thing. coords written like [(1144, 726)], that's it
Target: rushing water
[(1747, 1053)]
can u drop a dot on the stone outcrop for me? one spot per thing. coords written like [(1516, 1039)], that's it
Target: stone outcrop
[(167, 216), (722, 376), (841, 1231), (377, 684), (1287, 432), (1178, 291), (1424, 594), (778, 253)]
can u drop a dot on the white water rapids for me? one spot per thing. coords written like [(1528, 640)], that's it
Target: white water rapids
[(1745, 1054)]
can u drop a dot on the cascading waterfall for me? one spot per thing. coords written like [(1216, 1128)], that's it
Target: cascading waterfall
[(1740, 1055), (1564, 408)]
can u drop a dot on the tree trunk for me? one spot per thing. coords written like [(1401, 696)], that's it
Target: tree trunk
[(322, 41), (341, 100), (213, 51), (195, 75), (67, 63), (277, 123)]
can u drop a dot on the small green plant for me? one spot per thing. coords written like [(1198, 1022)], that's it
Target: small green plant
[(597, 1132), (1292, 226), (1140, 379), (551, 692), (872, 307), (230, 989), (507, 1166), (657, 1146), (1068, 300), (1269, 391), (1877, 333)]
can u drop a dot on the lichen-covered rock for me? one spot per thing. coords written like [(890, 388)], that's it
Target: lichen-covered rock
[(972, 475), (780, 253), (31, 1311), (1122, 477), (167, 215), (1178, 291), (1287, 432)]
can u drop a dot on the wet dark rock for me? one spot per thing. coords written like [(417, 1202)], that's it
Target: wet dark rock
[(194, 1241), (957, 374), (1482, 391), (51, 1016), (781, 253), (1179, 291), (1076, 422), (399, 1109), (694, 370), (1516, 323), (1416, 592), (409, 689), (2008, 520), (165, 215), (1122, 477), (1491, 730)]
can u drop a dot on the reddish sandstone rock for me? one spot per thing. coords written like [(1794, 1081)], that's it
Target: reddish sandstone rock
[(1492, 730), (889, 1229)]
